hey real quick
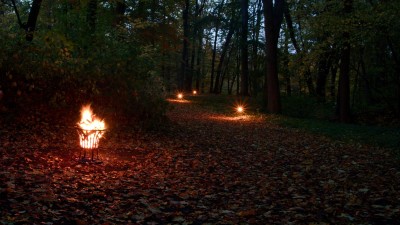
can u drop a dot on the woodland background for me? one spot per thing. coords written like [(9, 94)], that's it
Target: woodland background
[(318, 142), (331, 60)]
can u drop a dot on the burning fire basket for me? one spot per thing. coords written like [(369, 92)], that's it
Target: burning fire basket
[(90, 130), (89, 142)]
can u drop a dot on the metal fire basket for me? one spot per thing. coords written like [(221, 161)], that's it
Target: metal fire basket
[(89, 142)]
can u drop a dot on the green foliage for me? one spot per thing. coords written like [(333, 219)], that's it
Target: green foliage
[(68, 65)]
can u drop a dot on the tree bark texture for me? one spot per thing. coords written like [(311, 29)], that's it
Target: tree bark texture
[(343, 103), (32, 18), (185, 51), (273, 14)]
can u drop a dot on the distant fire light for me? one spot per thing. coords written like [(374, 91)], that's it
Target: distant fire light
[(195, 92), (180, 96), (240, 109)]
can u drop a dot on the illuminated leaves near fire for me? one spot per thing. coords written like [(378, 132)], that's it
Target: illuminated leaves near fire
[(203, 170)]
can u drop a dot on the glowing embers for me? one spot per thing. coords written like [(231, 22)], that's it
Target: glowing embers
[(90, 130)]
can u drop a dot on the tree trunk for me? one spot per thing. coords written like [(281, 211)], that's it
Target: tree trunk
[(198, 60), (254, 61), (244, 86), (333, 82), (120, 9), (32, 18), (273, 14), (397, 71), (189, 74), (185, 53), (285, 69), (343, 103), (226, 71), (323, 71), (199, 33), (213, 59), (307, 73), (215, 48), (289, 23), (222, 57), (92, 16)]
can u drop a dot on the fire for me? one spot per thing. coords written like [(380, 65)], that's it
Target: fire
[(240, 109), (180, 96), (195, 92), (92, 128)]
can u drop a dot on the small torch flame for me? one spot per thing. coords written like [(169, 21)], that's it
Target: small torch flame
[(195, 92), (92, 128), (240, 109), (180, 96)]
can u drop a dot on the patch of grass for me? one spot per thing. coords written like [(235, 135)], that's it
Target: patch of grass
[(387, 137), (306, 107), (311, 116)]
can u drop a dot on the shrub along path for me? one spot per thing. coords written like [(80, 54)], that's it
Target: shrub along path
[(206, 167)]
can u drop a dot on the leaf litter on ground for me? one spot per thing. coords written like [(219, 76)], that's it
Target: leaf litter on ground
[(209, 168)]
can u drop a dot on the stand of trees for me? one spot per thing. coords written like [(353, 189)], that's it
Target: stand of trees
[(342, 52)]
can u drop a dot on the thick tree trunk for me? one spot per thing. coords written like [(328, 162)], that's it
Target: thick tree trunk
[(323, 71), (185, 46), (397, 70), (256, 33), (244, 86), (343, 103), (199, 36), (273, 13)]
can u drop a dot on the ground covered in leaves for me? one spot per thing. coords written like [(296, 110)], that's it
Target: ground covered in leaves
[(205, 168)]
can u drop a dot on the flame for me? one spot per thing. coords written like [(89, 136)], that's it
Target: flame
[(194, 92), (180, 96), (240, 109), (92, 128)]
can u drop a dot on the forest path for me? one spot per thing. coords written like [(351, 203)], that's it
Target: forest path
[(285, 175), (206, 167)]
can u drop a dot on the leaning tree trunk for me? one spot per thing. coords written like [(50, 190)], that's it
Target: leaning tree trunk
[(307, 73), (273, 14), (32, 18), (222, 57)]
